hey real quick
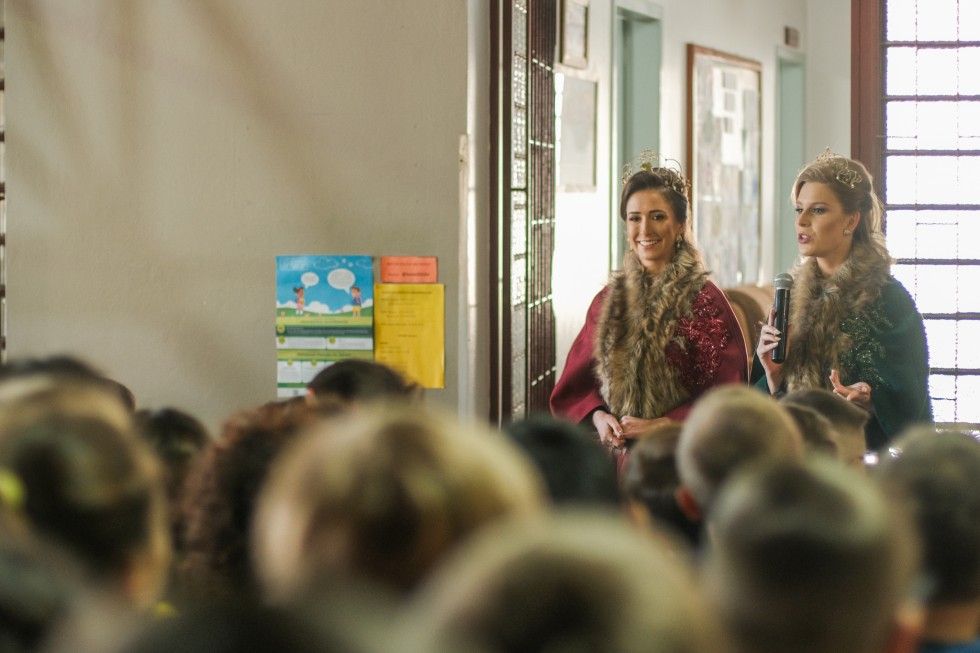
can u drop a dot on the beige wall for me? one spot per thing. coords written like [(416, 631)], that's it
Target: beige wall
[(162, 153), (828, 83)]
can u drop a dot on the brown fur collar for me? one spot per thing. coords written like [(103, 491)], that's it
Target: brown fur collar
[(638, 320), (818, 307)]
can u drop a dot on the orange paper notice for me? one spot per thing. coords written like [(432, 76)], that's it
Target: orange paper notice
[(409, 269)]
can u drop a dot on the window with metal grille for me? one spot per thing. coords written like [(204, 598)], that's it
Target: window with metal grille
[(522, 357), (931, 165)]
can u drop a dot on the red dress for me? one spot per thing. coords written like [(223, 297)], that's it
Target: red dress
[(713, 354)]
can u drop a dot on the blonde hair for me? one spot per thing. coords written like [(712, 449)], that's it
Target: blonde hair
[(853, 186), (570, 581), (383, 496)]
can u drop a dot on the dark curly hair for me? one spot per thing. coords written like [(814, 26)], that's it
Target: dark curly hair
[(221, 493)]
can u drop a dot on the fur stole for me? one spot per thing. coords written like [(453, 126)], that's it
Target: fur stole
[(826, 318), (638, 321)]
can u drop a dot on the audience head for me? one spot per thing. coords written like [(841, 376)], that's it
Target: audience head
[(729, 428), (89, 486), (851, 183), (22, 376), (817, 431), (177, 438), (382, 496), (847, 419), (574, 468), (221, 493), (565, 582), (651, 481), (939, 475), (355, 380), (809, 558), (38, 588), (240, 625)]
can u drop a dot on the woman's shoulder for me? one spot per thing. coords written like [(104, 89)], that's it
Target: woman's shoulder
[(895, 300), (894, 292)]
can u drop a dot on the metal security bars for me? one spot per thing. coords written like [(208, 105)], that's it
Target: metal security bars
[(522, 357), (930, 55)]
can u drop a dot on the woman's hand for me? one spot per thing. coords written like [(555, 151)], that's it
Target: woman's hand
[(769, 338), (609, 429), (858, 393), (634, 427)]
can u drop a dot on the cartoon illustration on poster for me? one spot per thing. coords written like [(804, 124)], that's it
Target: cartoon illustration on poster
[(324, 313)]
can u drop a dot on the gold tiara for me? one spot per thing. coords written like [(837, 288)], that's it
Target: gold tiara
[(651, 161), (841, 167)]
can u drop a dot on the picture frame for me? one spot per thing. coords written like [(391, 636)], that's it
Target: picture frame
[(724, 162), (577, 136), (575, 33)]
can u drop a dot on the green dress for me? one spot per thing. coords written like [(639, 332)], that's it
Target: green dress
[(889, 352)]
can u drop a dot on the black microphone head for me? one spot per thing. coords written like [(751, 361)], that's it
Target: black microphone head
[(783, 281)]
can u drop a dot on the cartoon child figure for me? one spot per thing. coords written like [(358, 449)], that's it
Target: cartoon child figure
[(300, 299), (356, 300)]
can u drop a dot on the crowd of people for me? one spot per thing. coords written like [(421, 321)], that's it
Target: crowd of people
[(672, 503), (359, 519)]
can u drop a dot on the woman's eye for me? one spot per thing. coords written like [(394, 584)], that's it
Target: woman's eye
[(633, 218), (798, 210)]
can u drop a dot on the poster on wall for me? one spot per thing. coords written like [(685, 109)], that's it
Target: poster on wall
[(411, 331), (724, 150), (324, 313)]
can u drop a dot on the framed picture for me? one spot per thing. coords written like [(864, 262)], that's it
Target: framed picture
[(575, 33), (576, 162), (724, 149)]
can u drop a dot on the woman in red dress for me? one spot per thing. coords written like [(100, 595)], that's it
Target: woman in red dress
[(660, 333)]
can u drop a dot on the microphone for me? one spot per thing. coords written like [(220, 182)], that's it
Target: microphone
[(783, 283)]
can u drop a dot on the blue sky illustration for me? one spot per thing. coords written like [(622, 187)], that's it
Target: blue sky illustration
[(327, 279)]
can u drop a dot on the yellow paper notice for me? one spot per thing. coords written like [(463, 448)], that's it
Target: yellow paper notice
[(409, 330)]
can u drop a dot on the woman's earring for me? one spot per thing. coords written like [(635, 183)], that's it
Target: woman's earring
[(847, 232), (678, 244)]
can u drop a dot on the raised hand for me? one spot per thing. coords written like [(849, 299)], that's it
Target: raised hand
[(858, 393), (769, 338)]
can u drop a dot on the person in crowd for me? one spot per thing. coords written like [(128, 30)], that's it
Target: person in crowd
[(660, 333), (854, 329), (38, 589), (381, 497), (88, 485), (220, 498), (27, 373), (178, 439), (565, 582), (729, 429), (651, 482), (818, 433), (939, 475), (241, 625), (357, 381), (847, 419), (574, 468), (811, 558)]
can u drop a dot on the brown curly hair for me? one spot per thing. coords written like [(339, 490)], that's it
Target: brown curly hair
[(221, 493)]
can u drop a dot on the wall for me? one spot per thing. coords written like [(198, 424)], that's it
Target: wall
[(161, 154), (828, 81)]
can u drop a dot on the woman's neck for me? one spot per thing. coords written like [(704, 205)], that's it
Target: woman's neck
[(829, 265)]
